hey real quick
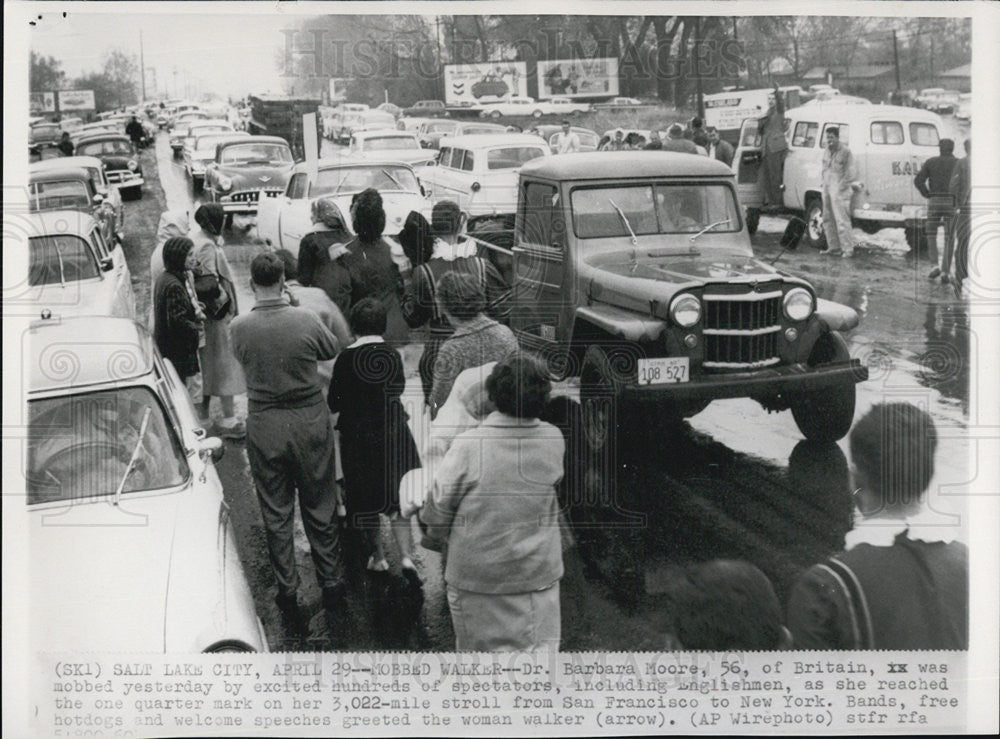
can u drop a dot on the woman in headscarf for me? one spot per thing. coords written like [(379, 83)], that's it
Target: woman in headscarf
[(374, 272), (176, 326), (320, 252), (416, 239), (221, 372), (172, 223)]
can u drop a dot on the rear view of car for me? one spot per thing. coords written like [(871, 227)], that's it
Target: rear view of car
[(121, 165)]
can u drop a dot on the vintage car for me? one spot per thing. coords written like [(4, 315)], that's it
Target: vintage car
[(130, 537), (70, 124), (480, 172), (938, 100), (283, 221), (197, 128), (433, 131), (95, 168), (332, 117), (889, 143), (349, 122), (72, 188), (201, 152), (426, 109), (513, 106), (246, 167), (72, 269), (389, 144), (588, 138), (43, 135), (179, 131), (412, 125), (121, 166), (622, 103), (93, 129), (634, 271)]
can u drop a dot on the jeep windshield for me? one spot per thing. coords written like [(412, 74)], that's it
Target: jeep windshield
[(653, 209), (347, 180), (246, 155)]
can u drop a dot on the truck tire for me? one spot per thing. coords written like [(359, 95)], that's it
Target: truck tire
[(869, 227), (599, 396), (814, 223), (826, 415), (753, 220)]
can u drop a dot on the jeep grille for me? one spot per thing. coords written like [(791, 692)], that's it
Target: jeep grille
[(741, 331)]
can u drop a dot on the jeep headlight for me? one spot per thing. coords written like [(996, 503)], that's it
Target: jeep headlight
[(685, 310), (225, 183), (798, 304), (132, 164)]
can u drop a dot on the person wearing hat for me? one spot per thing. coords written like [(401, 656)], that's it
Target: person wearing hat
[(320, 251), (774, 150), (176, 322), (675, 140), (617, 143)]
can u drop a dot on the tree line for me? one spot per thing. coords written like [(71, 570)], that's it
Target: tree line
[(114, 86)]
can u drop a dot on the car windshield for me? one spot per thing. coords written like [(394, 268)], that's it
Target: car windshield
[(111, 146), (651, 209), (55, 260), (79, 446), (390, 143), (199, 130), (245, 154), (440, 127), (345, 180), (510, 157), (67, 195), (472, 130)]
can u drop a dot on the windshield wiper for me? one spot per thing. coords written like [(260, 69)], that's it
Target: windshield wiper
[(388, 174), (710, 227), (62, 270), (135, 453), (635, 241)]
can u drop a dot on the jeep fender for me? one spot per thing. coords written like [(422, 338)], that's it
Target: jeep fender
[(619, 323), (836, 316)]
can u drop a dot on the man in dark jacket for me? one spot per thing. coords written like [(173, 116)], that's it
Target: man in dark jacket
[(719, 148), (932, 182), (65, 145), (136, 132)]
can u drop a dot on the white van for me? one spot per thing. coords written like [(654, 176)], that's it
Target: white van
[(890, 144), (726, 111)]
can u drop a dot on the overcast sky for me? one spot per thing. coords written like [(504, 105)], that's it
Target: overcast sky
[(228, 54)]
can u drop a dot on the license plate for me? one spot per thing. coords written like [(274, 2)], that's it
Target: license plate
[(662, 370)]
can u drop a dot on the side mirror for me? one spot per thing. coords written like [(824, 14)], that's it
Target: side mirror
[(107, 264), (211, 449), (98, 198)]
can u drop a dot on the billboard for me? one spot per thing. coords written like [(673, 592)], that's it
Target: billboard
[(41, 102), (574, 78), (76, 100), (485, 82)]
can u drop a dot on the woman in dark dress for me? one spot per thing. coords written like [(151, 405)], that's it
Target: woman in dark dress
[(320, 252), (374, 273), (376, 446), (176, 325)]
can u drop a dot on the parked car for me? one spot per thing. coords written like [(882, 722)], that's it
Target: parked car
[(71, 188), (389, 144), (70, 124), (284, 220), (513, 106), (634, 271), (622, 103), (201, 152), (109, 193), (93, 129), (120, 163), (565, 106), (179, 132), (964, 110), (939, 100), (412, 124), (244, 168), (72, 270), (890, 143), (427, 108), (365, 120), (434, 130), (588, 138), (43, 135), (123, 500), (394, 110), (197, 128), (480, 172)]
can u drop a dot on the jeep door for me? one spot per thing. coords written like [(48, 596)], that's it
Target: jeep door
[(540, 314)]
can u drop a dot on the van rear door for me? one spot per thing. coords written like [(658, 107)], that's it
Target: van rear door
[(747, 162)]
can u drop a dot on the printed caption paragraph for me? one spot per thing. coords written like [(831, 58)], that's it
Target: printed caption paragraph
[(315, 694)]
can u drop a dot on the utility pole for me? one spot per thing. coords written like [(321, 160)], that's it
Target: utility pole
[(697, 67), (142, 68), (895, 57)]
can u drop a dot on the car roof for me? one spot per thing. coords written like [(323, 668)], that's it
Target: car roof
[(59, 222), (483, 140), (62, 162), (346, 160), (380, 132), (102, 137), (123, 351), (854, 110), (58, 174), (624, 165), (255, 140), (212, 122)]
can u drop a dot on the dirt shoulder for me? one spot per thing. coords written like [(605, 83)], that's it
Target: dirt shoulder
[(142, 217)]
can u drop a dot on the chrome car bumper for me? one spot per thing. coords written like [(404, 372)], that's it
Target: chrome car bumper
[(244, 201), (124, 178)]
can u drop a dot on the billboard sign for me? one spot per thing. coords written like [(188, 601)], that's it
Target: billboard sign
[(42, 102), (577, 78), (487, 82), (76, 100)]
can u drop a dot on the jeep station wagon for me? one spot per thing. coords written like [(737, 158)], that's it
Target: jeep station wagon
[(635, 272)]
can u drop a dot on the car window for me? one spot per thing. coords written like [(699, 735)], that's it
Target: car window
[(346, 180), (97, 148), (441, 127), (65, 195), (444, 158), (469, 161), (97, 242), (297, 186), (390, 143), (484, 128), (53, 260), (79, 446), (887, 132), (924, 134), (804, 134), (542, 215), (512, 156), (246, 154), (663, 208)]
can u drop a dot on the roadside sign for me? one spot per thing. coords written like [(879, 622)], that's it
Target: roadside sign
[(76, 100), (42, 102)]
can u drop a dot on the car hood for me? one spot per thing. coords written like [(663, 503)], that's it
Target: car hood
[(91, 297), (100, 574), (683, 269), (256, 177)]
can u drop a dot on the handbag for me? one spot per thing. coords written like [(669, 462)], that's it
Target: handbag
[(213, 292)]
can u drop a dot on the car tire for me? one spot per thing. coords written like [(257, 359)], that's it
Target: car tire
[(753, 220), (869, 227), (814, 223), (495, 114), (826, 415)]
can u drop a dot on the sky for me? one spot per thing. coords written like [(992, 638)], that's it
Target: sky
[(227, 54)]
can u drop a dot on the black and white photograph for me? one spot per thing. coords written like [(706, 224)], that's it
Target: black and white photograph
[(572, 344)]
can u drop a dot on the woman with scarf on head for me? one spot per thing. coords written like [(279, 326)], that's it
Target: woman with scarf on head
[(222, 375), (172, 223), (369, 260), (320, 252), (177, 327)]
